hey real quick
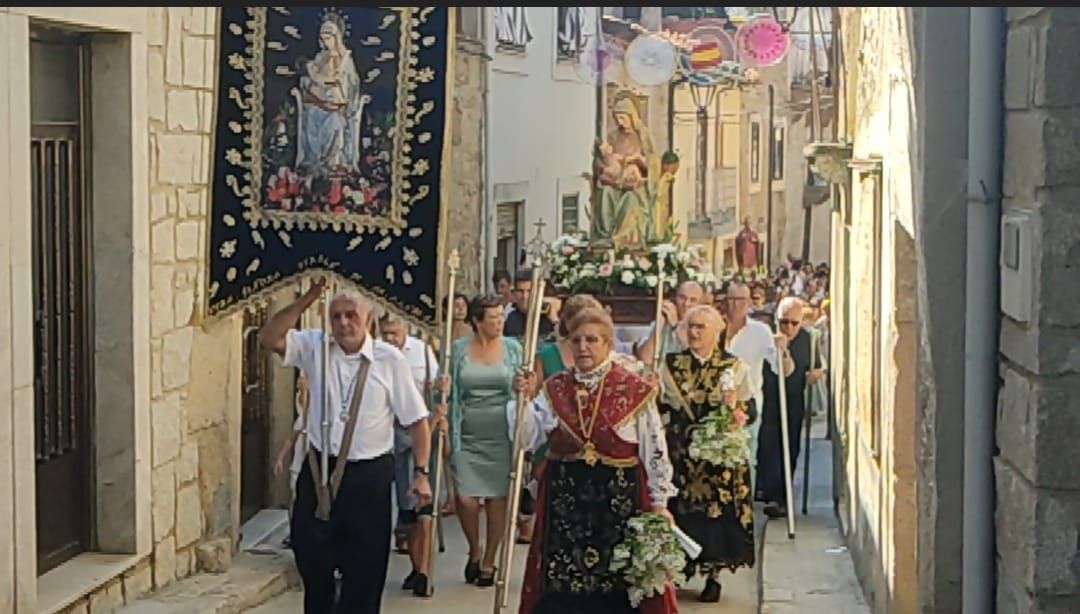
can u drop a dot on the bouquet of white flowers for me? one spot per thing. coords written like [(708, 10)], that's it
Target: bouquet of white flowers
[(649, 556), (720, 438)]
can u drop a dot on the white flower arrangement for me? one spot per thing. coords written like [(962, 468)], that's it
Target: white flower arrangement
[(575, 269), (720, 439), (649, 556)]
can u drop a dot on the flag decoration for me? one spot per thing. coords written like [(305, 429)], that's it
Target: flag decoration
[(330, 137), (705, 55)]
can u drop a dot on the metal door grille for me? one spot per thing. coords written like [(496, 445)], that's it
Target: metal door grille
[(61, 270), (255, 428)]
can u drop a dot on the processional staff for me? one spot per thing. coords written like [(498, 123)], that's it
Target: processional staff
[(517, 461), (440, 440), (784, 429)]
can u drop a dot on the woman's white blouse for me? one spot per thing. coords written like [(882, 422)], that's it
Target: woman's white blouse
[(646, 430)]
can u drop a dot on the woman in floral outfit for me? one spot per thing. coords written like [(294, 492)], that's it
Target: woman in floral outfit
[(707, 389)]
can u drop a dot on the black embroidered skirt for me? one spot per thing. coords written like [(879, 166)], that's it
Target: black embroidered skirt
[(585, 514), (713, 507)]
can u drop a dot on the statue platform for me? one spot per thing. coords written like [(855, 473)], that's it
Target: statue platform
[(630, 306)]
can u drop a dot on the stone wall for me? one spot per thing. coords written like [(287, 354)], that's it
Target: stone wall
[(466, 191), (195, 381), (195, 369), (874, 373), (1038, 469)]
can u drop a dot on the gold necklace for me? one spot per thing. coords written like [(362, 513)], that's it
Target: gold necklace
[(590, 453)]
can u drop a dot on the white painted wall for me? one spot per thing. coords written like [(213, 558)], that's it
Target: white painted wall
[(543, 124)]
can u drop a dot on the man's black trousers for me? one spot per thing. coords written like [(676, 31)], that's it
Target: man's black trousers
[(356, 539)]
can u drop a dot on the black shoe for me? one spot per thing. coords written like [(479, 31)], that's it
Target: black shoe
[(485, 581), (420, 587), (775, 510), (711, 594), (472, 571), (411, 580)]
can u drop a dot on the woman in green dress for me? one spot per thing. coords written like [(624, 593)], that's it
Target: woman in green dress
[(482, 369)]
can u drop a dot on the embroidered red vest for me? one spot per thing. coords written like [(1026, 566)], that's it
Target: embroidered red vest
[(622, 396)]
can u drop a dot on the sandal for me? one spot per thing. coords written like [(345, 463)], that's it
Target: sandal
[(485, 581)]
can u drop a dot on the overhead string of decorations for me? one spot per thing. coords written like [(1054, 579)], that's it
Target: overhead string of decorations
[(330, 135), (632, 246)]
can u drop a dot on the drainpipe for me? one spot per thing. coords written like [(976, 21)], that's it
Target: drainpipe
[(982, 317), (488, 233)]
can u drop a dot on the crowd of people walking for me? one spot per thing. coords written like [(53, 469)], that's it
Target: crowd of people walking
[(609, 434)]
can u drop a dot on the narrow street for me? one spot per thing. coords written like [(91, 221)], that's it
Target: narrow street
[(453, 596)]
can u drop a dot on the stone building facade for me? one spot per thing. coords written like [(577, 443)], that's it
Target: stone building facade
[(542, 117), (152, 434), (791, 119), (953, 495), (872, 335), (123, 463), (466, 192), (1038, 420)]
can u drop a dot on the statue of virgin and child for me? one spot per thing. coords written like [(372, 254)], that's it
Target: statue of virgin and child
[(630, 197)]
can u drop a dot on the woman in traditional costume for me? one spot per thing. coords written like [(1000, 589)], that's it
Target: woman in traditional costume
[(714, 502), (606, 462)]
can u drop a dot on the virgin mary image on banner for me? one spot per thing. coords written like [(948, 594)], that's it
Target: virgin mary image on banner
[(327, 145), (331, 107), (330, 129)]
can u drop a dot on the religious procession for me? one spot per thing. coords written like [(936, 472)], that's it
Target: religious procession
[(610, 464), (616, 405), (544, 310)]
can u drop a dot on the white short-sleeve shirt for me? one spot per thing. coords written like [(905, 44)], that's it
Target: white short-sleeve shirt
[(753, 345), (422, 368), (389, 392)]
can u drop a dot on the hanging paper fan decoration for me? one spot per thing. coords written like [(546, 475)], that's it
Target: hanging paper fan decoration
[(762, 42), (650, 60), (599, 62)]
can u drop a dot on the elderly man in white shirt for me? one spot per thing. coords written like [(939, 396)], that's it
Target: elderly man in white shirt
[(753, 343), (413, 521), (355, 537)]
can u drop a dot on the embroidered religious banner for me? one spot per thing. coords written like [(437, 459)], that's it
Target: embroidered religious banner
[(330, 139)]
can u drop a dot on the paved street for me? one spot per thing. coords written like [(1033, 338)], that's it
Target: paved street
[(454, 596)]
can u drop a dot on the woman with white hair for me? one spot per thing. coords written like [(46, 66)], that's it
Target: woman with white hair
[(606, 462), (715, 503), (794, 344)]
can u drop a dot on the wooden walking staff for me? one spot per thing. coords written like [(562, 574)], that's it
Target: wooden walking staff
[(658, 344), (440, 440), (790, 499), (517, 461), (808, 395)]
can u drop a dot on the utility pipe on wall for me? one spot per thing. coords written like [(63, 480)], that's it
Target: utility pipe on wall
[(489, 237), (982, 318)]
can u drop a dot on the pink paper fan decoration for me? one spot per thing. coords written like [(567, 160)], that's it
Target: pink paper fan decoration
[(762, 42)]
